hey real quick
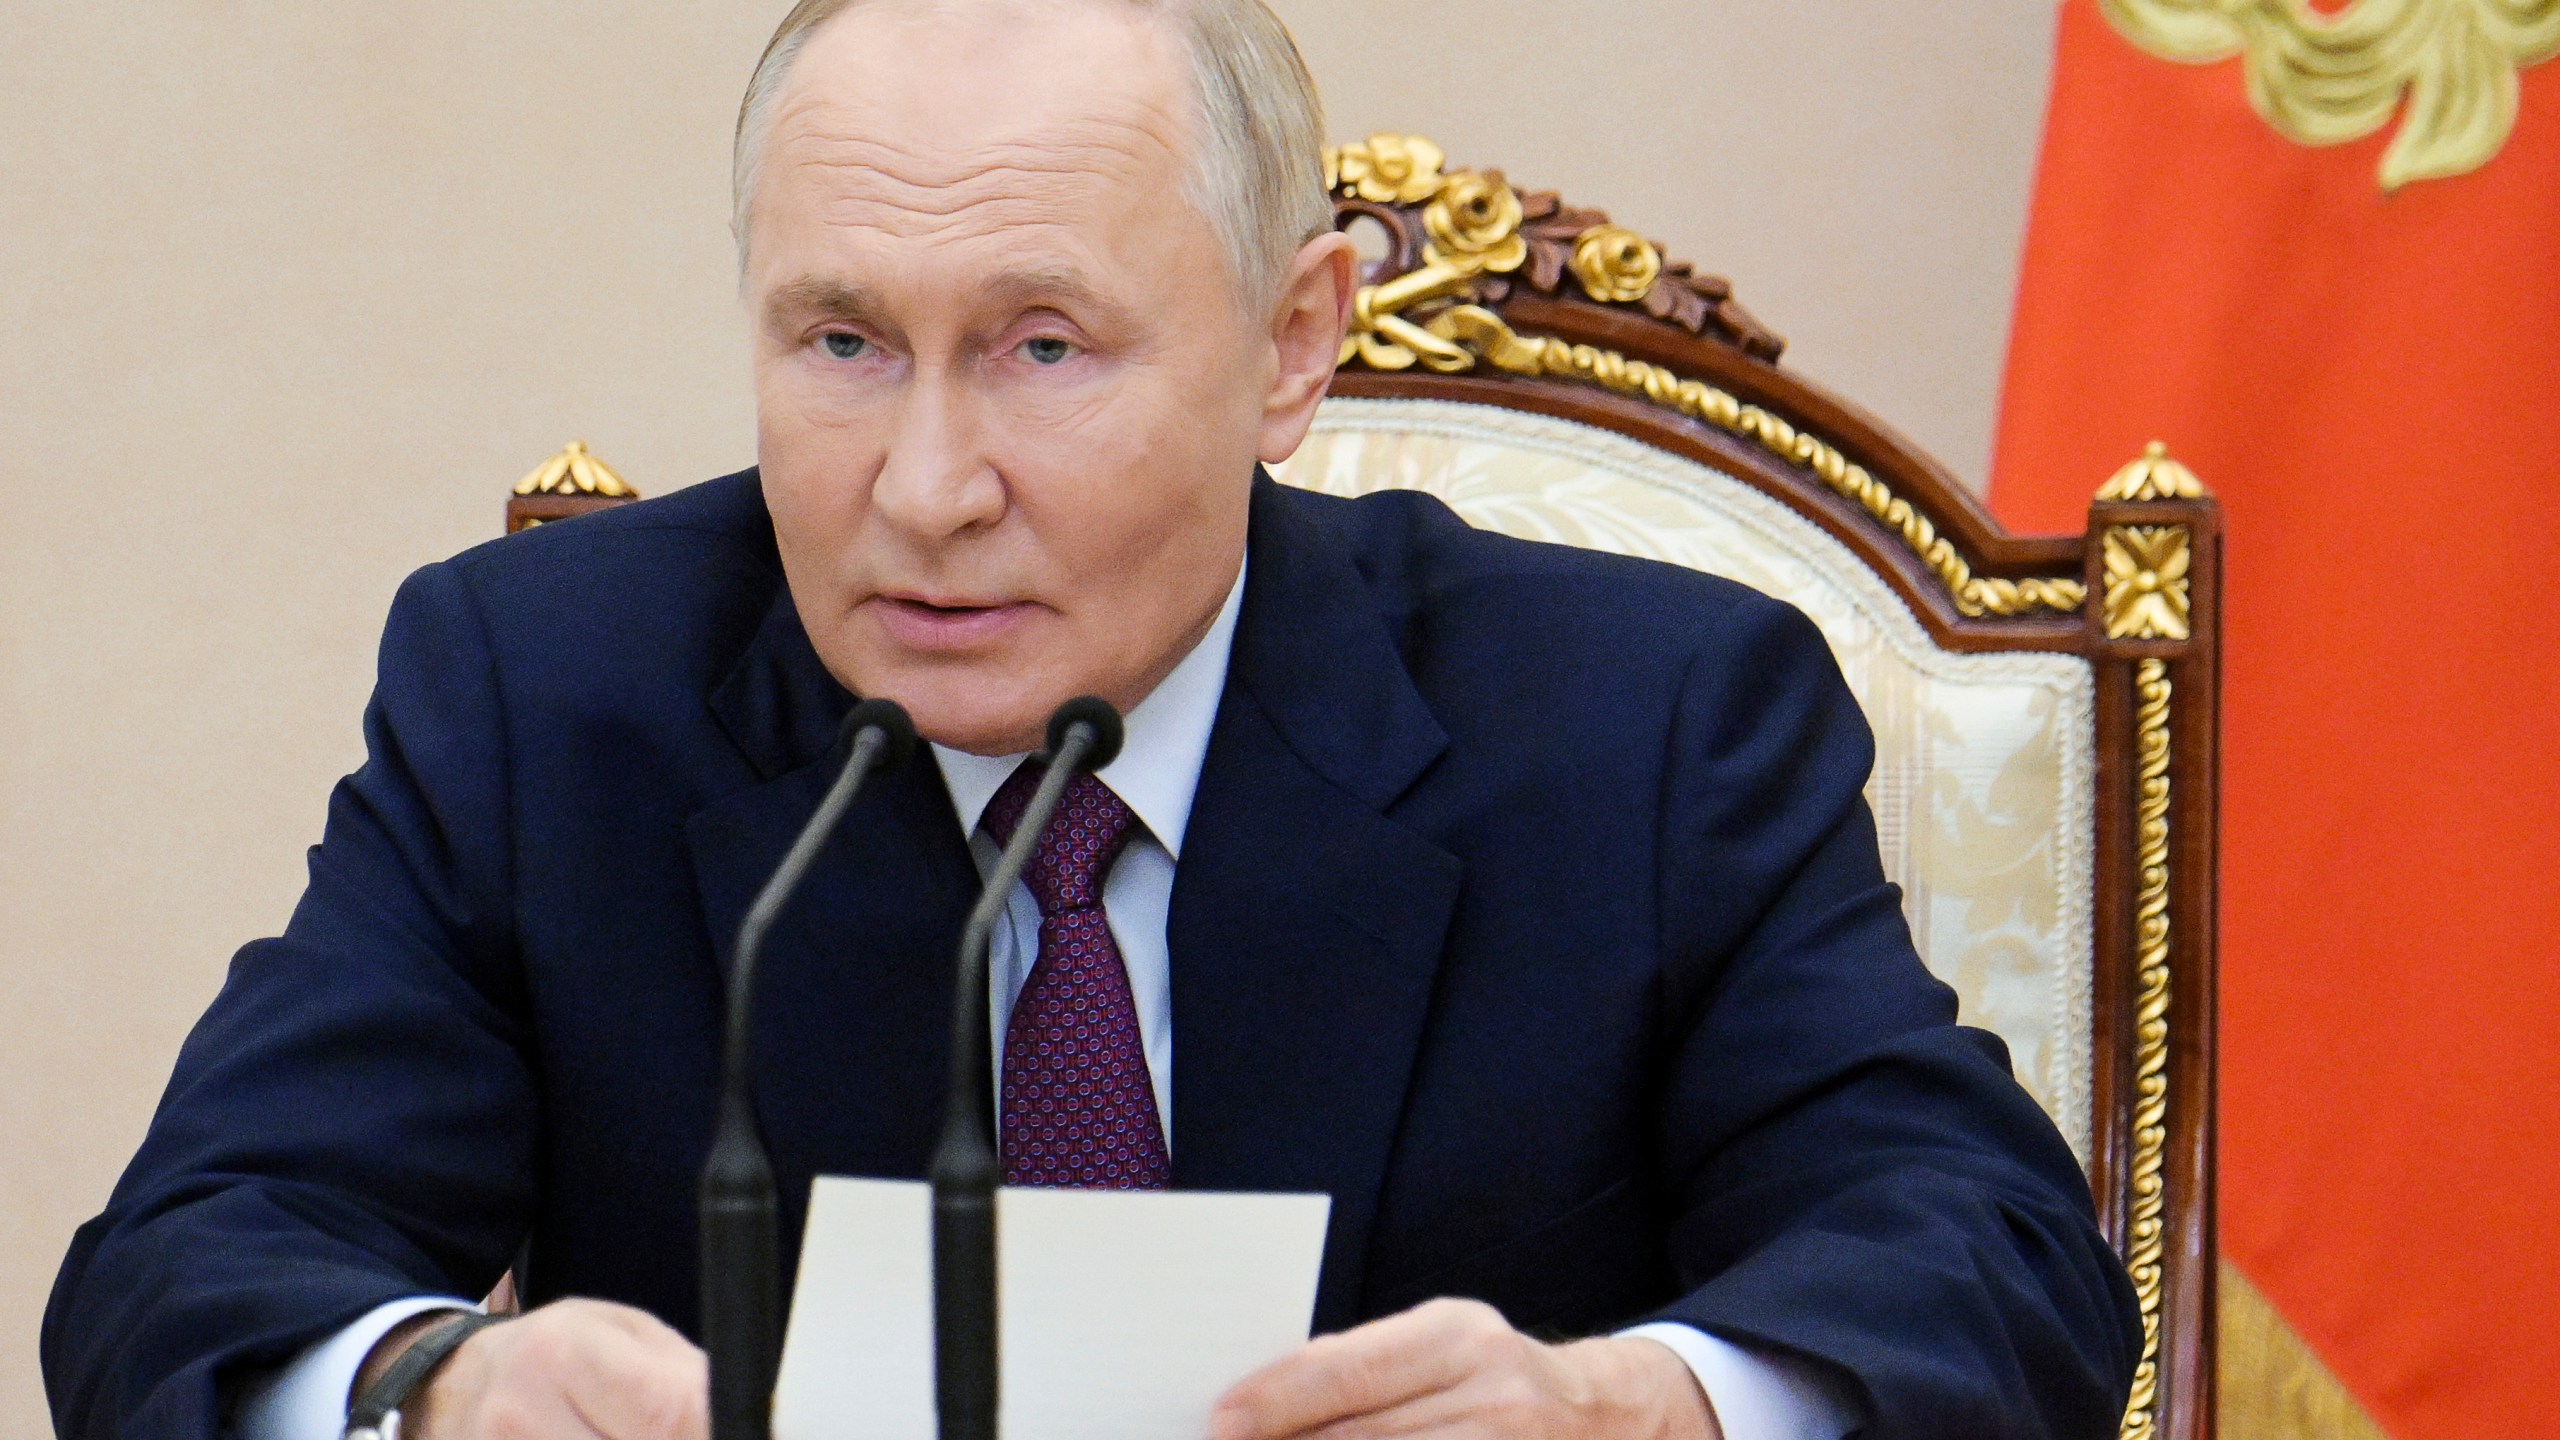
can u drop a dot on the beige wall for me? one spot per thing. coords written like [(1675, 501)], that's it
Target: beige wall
[(288, 293)]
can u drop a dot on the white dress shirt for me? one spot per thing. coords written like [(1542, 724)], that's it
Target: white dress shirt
[(1756, 1396)]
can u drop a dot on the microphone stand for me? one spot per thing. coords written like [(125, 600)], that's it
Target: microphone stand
[(1084, 735), (741, 1254)]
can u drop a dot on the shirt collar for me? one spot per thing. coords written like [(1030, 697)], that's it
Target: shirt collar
[(1166, 739)]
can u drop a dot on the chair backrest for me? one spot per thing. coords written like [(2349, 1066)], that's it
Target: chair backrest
[(2044, 708)]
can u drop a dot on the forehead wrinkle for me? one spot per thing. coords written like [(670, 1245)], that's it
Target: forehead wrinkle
[(1062, 153), (1079, 191), (1010, 218), (997, 186), (848, 188)]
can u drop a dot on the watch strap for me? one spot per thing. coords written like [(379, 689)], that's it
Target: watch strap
[(376, 1414)]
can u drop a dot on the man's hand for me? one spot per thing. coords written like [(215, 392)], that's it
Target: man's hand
[(1455, 1368), (572, 1370)]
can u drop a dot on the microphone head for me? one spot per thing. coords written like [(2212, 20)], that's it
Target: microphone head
[(1097, 714), (897, 732)]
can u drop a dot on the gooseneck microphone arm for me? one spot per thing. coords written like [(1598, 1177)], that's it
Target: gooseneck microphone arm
[(741, 1255), (1083, 735)]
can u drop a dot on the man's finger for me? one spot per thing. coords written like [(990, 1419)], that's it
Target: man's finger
[(1382, 1364), (1438, 1412)]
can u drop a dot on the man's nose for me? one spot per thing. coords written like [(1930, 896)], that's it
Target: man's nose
[(935, 480)]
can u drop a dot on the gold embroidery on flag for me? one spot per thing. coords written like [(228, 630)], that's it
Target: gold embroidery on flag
[(2268, 1384), (2328, 79)]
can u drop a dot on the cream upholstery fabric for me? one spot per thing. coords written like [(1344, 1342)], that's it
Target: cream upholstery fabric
[(1985, 772)]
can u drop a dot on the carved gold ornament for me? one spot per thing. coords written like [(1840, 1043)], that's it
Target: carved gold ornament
[(1384, 340), (1473, 224), (2153, 477), (2327, 79), (2146, 568), (1479, 235), (1615, 263), (1475, 221), (1389, 169), (573, 472), (1485, 334), (2152, 691)]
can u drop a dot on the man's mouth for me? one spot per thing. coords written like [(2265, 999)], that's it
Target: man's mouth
[(924, 621)]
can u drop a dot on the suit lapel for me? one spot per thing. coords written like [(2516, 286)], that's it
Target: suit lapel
[(1306, 927), (854, 995)]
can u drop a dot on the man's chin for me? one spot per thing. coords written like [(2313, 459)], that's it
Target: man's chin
[(980, 725), (983, 704)]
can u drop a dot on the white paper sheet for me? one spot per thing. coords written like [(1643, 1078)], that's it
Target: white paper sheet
[(1124, 1314)]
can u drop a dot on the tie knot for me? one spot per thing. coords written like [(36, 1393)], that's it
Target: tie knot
[(1083, 838)]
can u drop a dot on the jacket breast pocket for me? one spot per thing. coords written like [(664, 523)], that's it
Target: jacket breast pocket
[(1592, 1266)]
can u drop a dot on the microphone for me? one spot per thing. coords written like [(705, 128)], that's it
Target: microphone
[(741, 1258), (1084, 735)]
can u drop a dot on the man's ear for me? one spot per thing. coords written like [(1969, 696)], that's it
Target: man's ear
[(1307, 324)]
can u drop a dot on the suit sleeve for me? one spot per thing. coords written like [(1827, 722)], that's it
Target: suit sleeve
[(353, 1120), (1857, 1180)]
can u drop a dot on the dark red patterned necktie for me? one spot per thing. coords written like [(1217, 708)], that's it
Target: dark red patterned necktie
[(1079, 1107)]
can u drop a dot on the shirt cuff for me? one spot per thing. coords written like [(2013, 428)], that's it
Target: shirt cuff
[(1757, 1395), (306, 1399)]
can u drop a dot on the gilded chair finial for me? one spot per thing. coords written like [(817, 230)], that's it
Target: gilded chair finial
[(2154, 477), (574, 471)]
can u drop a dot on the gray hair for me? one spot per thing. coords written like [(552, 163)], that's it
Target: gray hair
[(1258, 171)]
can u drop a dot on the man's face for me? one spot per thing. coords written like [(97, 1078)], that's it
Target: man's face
[(1008, 401)]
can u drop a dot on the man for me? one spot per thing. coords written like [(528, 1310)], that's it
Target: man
[(1521, 899)]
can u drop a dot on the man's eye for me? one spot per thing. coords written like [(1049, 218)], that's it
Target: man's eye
[(1047, 350), (843, 346)]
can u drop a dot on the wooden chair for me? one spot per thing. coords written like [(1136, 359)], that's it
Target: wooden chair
[(2044, 707)]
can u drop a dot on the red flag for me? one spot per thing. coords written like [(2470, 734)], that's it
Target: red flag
[(2370, 381)]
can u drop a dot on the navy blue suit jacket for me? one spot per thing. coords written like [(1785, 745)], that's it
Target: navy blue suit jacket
[(1529, 907)]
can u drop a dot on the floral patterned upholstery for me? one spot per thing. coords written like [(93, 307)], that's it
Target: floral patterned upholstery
[(1986, 768)]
